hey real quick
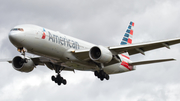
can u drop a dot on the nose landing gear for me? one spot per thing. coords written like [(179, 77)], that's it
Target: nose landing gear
[(21, 50)]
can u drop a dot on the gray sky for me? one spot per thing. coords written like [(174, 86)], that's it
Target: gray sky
[(101, 22)]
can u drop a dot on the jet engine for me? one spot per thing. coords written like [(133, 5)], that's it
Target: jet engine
[(23, 64), (100, 54)]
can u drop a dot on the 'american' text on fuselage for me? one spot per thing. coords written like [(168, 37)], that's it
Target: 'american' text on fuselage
[(63, 41)]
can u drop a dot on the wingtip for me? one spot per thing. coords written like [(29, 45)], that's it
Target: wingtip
[(173, 59)]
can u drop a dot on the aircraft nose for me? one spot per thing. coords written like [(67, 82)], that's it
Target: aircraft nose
[(16, 38)]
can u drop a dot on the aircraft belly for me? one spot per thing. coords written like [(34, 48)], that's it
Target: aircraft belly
[(79, 66)]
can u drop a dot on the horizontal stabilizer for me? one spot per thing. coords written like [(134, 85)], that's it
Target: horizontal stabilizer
[(150, 62)]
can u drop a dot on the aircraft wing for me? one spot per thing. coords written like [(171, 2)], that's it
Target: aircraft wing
[(131, 48), (36, 60), (41, 61), (50, 63), (82, 54), (143, 47), (6, 60)]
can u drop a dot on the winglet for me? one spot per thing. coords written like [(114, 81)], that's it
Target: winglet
[(127, 39)]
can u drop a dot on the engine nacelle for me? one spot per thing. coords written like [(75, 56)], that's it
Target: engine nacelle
[(100, 54), (22, 64)]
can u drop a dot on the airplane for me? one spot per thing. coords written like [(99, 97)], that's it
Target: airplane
[(61, 52)]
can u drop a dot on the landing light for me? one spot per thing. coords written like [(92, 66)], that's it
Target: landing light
[(19, 50)]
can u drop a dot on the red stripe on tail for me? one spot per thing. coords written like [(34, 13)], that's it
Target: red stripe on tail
[(125, 56), (129, 41), (125, 64), (132, 23), (131, 32)]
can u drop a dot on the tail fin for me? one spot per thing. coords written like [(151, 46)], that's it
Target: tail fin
[(127, 39)]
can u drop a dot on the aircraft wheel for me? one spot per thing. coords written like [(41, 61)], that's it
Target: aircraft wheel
[(53, 78), (102, 78), (107, 77), (101, 73), (99, 76), (56, 80), (96, 73), (59, 83), (64, 81)]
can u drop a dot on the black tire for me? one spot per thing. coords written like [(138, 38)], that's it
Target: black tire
[(56, 80), (53, 78), (64, 81), (102, 73), (102, 78), (99, 76), (96, 73), (59, 83), (107, 77)]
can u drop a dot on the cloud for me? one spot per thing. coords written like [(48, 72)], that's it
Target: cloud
[(100, 22)]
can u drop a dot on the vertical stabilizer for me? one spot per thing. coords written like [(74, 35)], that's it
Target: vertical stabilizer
[(127, 39)]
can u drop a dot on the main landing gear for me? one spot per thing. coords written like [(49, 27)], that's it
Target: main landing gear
[(101, 75), (58, 79)]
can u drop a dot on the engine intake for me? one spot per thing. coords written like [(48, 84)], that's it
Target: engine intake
[(23, 64), (100, 54)]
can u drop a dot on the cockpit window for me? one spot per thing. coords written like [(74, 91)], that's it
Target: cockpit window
[(17, 29)]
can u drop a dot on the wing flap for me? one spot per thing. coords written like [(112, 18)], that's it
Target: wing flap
[(150, 61)]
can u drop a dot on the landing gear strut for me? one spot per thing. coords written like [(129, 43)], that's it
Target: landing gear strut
[(101, 75), (58, 79), (22, 51)]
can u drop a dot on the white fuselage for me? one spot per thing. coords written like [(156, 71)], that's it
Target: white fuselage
[(56, 46)]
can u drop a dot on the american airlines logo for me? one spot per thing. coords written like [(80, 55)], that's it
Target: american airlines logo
[(44, 34), (62, 40)]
